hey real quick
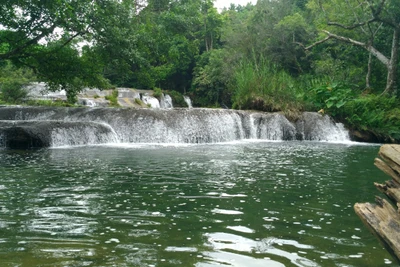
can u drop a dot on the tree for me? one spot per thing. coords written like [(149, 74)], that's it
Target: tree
[(26, 23), (359, 24), (212, 24), (47, 37)]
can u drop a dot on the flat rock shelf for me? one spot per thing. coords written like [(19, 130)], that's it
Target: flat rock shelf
[(383, 218)]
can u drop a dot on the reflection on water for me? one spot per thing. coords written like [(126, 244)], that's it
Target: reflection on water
[(243, 204)]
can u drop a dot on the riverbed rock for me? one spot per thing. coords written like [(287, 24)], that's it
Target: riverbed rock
[(183, 125), (39, 134)]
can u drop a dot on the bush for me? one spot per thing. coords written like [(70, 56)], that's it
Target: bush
[(13, 92), (139, 102), (157, 93), (378, 114), (13, 82), (177, 99), (330, 97), (113, 98)]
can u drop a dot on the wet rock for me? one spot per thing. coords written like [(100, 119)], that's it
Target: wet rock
[(40, 134)]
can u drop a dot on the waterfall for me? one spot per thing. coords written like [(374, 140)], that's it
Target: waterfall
[(273, 126), (89, 133), (151, 100), (316, 127), (166, 101), (87, 102), (26, 134), (78, 126), (188, 101)]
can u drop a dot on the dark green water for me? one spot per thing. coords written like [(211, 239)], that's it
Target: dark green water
[(244, 204)]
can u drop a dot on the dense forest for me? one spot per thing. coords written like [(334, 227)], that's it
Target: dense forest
[(333, 56)]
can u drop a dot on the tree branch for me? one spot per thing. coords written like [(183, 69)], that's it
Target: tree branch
[(377, 12), (381, 57), (316, 43), (33, 41), (351, 27)]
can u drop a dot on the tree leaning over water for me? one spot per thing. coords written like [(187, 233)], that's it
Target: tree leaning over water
[(362, 24)]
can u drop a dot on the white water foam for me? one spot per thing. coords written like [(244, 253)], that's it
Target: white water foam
[(150, 100), (87, 102), (166, 101), (188, 101), (182, 126), (86, 135)]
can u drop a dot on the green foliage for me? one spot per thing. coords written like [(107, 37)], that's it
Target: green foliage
[(48, 103), (248, 57), (67, 69), (261, 85), (330, 97), (113, 98), (379, 114), (177, 99), (211, 78), (139, 102), (12, 83), (157, 93)]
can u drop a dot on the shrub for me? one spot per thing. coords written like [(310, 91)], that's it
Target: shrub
[(375, 113), (113, 98), (330, 97), (157, 93), (139, 101), (13, 92), (177, 99), (12, 83)]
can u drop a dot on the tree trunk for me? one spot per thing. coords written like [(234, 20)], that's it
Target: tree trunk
[(368, 76), (391, 86), (390, 63)]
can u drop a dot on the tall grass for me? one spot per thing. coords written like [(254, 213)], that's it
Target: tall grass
[(260, 85)]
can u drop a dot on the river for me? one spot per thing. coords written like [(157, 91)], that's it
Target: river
[(242, 204)]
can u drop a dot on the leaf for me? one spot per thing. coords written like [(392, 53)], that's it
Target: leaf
[(340, 104)]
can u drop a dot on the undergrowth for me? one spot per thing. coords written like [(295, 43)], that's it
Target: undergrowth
[(378, 114), (113, 98), (260, 85)]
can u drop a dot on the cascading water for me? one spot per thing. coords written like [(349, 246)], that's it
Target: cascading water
[(87, 102), (28, 133), (175, 125), (166, 101), (92, 133), (188, 101), (151, 100), (273, 126), (315, 127)]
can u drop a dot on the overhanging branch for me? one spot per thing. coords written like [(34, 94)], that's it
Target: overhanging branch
[(381, 57), (351, 27), (316, 43)]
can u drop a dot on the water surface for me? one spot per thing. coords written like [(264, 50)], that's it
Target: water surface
[(238, 204)]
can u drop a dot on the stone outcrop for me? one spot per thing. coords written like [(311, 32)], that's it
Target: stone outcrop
[(39, 134), (183, 125)]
